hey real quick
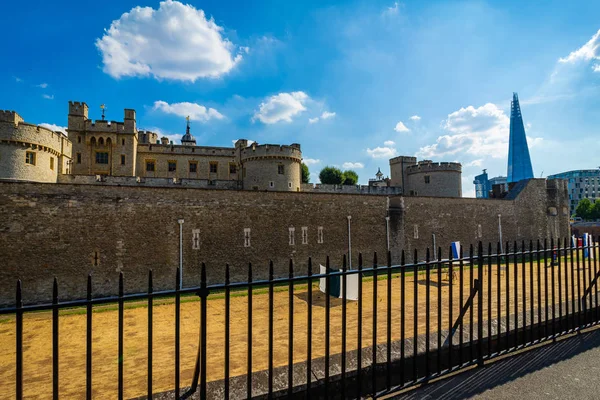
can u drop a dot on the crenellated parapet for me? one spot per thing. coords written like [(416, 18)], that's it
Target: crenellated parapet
[(10, 116), (271, 151), (429, 166)]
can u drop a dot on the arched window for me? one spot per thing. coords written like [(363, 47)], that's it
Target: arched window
[(101, 142), (93, 141), (108, 142)]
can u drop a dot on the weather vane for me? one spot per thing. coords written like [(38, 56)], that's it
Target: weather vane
[(102, 107)]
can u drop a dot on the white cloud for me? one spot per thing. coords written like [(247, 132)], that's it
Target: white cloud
[(353, 165), (393, 10), (281, 107), (389, 143), (17, 79), (382, 152), (48, 96), (176, 41), (249, 142), (596, 68), (55, 128), (42, 85), (400, 127), (311, 161), (325, 115), (475, 163), (195, 111), (587, 52), (481, 131), (415, 118)]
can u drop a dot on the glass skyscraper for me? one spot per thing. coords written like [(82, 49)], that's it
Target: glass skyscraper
[(519, 162)]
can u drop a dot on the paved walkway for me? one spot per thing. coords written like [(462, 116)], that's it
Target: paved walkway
[(568, 369)]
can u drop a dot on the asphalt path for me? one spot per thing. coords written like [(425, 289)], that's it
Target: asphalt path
[(567, 369)]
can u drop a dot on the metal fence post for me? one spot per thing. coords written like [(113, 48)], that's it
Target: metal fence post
[(480, 306)]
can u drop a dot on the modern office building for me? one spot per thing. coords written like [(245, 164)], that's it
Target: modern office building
[(483, 185), (519, 161), (583, 184)]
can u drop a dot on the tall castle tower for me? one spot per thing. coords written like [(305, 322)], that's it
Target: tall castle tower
[(519, 162), (102, 147)]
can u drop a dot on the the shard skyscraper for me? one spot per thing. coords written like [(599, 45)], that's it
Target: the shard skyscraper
[(519, 162)]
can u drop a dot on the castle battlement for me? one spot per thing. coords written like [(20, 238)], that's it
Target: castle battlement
[(429, 166), (101, 126), (10, 116), (272, 151), (188, 150), (405, 159)]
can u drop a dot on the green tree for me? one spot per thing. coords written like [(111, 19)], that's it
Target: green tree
[(595, 214), (584, 209), (331, 176), (350, 177), (305, 174)]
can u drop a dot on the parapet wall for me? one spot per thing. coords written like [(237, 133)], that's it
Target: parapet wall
[(271, 151), (98, 180), (188, 150), (427, 166), (351, 189), (101, 126), (10, 116), (32, 134)]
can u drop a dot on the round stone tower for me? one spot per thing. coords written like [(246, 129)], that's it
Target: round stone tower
[(31, 153), (270, 167), (437, 179)]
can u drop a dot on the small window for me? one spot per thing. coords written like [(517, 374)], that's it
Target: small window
[(305, 235), (280, 169), (172, 166), (232, 168), (122, 159), (426, 178), (52, 163), (150, 166), (290, 185), (102, 158), (78, 158), (30, 158), (193, 167), (320, 235), (246, 237), (78, 139), (416, 232), (292, 235), (196, 239), (271, 184), (213, 167), (122, 142)]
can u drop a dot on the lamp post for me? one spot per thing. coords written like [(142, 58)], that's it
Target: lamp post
[(349, 243), (387, 232), (500, 230), (180, 222)]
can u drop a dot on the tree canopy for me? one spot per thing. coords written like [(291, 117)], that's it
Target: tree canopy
[(584, 209), (331, 176), (335, 176), (595, 210), (350, 177), (305, 174)]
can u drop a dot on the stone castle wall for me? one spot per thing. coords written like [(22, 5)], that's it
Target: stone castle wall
[(261, 167), (68, 231)]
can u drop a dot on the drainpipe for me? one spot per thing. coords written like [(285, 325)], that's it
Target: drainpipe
[(349, 243)]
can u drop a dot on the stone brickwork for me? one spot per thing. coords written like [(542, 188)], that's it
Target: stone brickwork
[(271, 167), (68, 231)]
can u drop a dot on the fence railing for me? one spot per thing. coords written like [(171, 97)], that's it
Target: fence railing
[(282, 336)]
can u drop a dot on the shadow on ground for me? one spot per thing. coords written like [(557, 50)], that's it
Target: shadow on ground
[(478, 380)]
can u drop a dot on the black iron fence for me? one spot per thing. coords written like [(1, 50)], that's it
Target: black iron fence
[(409, 323)]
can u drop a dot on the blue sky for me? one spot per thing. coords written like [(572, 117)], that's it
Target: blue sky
[(354, 82)]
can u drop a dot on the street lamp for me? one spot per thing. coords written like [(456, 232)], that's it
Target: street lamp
[(500, 230), (180, 222), (349, 243)]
